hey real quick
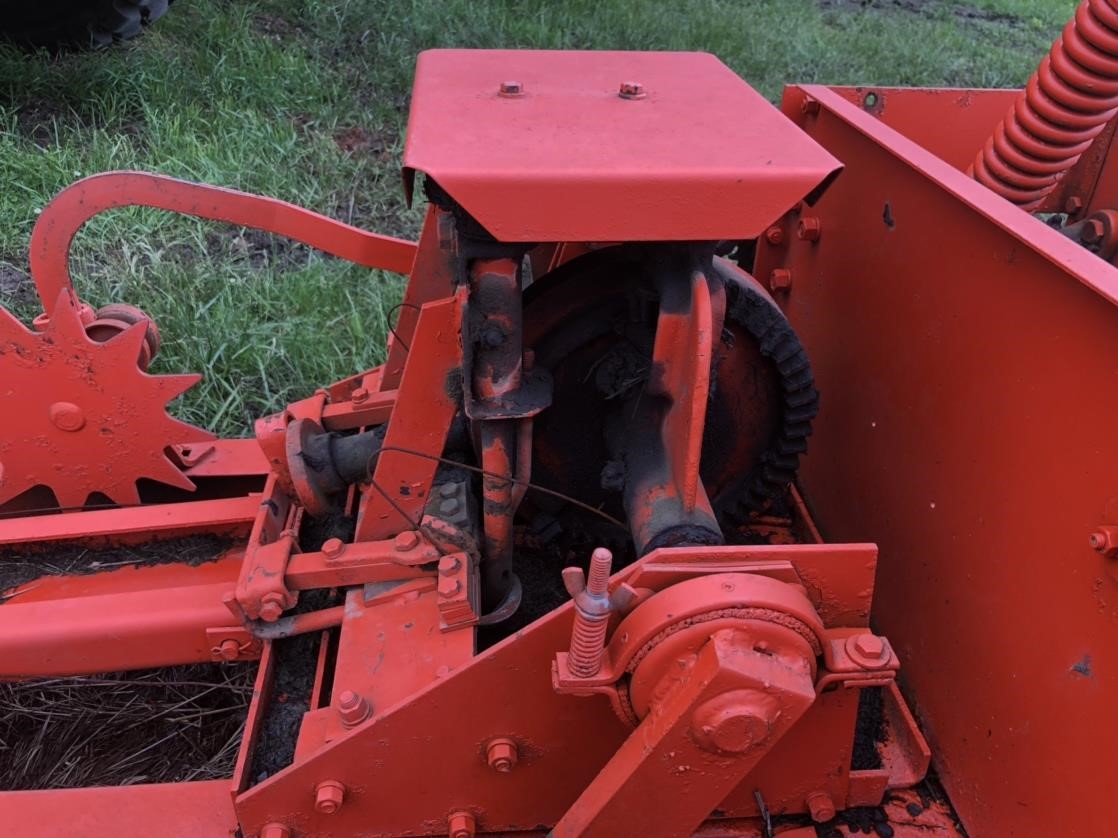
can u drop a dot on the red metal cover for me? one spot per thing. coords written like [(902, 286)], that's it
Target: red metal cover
[(698, 155)]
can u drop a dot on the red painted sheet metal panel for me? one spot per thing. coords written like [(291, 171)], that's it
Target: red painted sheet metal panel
[(203, 809), (952, 123), (570, 160), (967, 357)]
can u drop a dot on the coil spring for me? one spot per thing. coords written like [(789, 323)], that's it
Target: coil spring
[(1066, 104)]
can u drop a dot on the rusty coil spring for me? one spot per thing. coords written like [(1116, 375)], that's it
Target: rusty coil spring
[(1066, 104)]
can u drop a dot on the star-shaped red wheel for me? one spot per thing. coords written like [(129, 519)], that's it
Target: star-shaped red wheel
[(80, 417)]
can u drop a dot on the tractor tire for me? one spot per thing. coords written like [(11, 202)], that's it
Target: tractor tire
[(76, 24)]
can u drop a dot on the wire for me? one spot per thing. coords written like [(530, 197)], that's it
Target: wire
[(388, 318), (526, 483)]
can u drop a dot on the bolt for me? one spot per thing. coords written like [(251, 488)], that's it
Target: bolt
[(502, 754), (271, 606), (588, 634), (809, 106), (448, 565), (328, 797), (869, 645), (509, 89), (492, 337), (353, 708), (631, 90), (449, 506), (732, 722), (809, 228), (820, 806), (448, 490), (407, 540), (868, 651), (1073, 205), (1105, 540), (275, 830), (1093, 231), (780, 279), (449, 587), (67, 416), (461, 825), (229, 650), (774, 235), (359, 395), (333, 547)]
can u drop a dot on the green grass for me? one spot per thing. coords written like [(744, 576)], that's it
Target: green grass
[(307, 101)]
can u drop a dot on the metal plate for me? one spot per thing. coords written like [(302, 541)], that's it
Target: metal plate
[(967, 357), (702, 156)]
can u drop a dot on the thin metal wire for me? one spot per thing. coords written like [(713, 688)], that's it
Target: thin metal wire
[(388, 318), (527, 483)]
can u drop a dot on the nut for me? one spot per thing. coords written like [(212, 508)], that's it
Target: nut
[(809, 228), (333, 547), (449, 506), (359, 395), (868, 650), (407, 540), (809, 106), (1073, 205), (1104, 540), (449, 565), (501, 754), (774, 235), (461, 825), (229, 650), (271, 606), (820, 806), (780, 279), (328, 797), (275, 830), (448, 490), (510, 89), (353, 708), (631, 90), (449, 587), (869, 645)]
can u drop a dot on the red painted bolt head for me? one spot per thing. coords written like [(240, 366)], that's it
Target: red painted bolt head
[(328, 797), (359, 395), (353, 708), (509, 89), (229, 650), (869, 645), (67, 416), (733, 722), (820, 806), (502, 754), (1073, 205), (407, 540), (449, 587), (275, 830), (461, 825), (1104, 540), (774, 235), (780, 279), (271, 606), (449, 565), (333, 547), (809, 106), (631, 90), (809, 228)]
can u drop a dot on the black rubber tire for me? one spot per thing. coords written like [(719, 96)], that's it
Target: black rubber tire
[(76, 24)]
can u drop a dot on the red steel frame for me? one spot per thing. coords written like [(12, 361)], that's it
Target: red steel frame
[(920, 448)]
